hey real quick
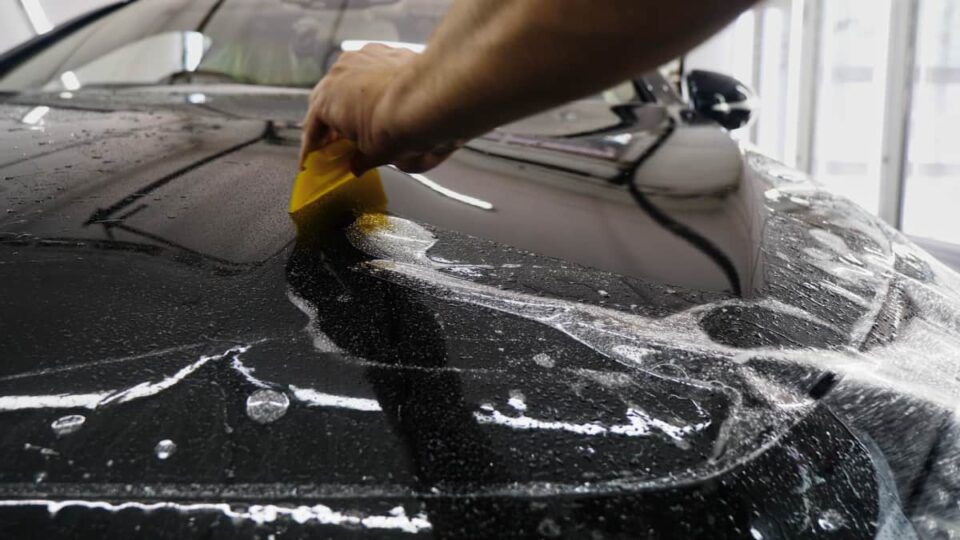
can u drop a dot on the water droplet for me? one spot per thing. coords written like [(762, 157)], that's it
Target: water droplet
[(587, 449), (265, 406), (517, 400), (830, 521), (165, 449), (68, 424), (549, 528), (544, 360)]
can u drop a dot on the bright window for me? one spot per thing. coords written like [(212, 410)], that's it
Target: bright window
[(850, 100), (828, 74), (933, 168)]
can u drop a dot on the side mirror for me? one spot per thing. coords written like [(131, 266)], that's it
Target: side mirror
[(721, 98)]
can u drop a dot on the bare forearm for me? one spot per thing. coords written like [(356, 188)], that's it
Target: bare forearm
[(492, 61)]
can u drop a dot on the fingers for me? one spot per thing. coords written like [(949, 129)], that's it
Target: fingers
[(362, 163), (315, 134), (422, 162), (345, 104), (411, 163)]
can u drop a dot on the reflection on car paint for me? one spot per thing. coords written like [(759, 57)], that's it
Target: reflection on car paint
[(65, 425), (321, 343), (447, 192), (146, 389), (639, 423), (56, 401), (868, 309), (313, 398), (260, 514)]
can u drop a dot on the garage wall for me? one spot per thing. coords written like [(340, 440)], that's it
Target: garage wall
[(863, 94)]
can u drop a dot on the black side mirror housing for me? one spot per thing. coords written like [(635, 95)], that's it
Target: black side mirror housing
[(721, 98)]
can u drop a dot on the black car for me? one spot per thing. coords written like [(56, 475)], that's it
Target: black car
[(609, 320)]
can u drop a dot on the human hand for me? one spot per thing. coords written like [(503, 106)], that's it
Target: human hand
[(355, 101)]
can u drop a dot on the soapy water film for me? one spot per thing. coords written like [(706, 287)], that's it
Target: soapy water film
[(865, 263), (644, 346), (263, 406), (633, 340)]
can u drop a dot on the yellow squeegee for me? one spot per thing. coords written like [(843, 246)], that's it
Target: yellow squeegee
[(327, 195)]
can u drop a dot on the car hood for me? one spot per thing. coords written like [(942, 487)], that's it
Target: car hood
[(180, 357)]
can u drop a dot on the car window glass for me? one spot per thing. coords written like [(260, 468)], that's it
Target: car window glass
[(268, 42), (265, 42), (145, 61)]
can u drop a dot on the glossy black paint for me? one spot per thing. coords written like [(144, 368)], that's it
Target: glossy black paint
[(141, 234)]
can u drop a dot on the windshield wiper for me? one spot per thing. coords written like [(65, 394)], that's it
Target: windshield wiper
[(186, 76), (180, 77)]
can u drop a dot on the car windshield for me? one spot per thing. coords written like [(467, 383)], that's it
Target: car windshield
[(267, 42)]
